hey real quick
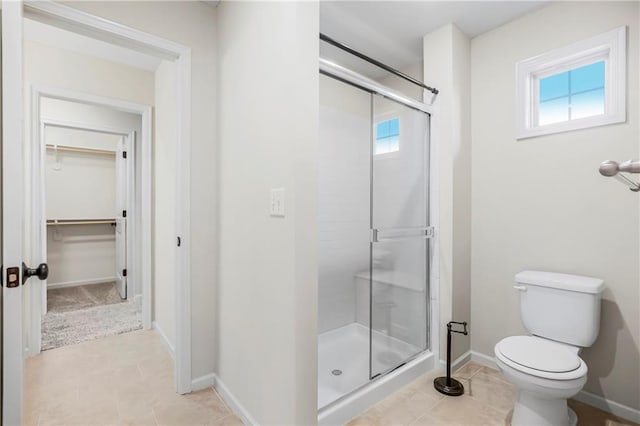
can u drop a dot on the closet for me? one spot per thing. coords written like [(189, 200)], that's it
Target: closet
[(86, 183)]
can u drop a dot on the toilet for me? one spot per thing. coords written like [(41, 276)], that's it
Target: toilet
[(562, 313)]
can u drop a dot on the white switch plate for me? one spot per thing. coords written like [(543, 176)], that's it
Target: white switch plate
[(276, 202)]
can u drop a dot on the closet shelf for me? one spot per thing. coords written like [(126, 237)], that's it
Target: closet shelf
[(78, 149), (56, 222)]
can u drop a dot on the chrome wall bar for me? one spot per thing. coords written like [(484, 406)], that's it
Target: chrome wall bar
[(611, 168), (377, 63)]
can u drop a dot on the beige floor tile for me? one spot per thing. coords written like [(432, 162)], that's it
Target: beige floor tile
[(591, 416), (367, 419), (488, 400), (425, 384), (403, 407), (467, 370), (119, 380), (466, 410), (231, 420), (203, 407), (146, 420), (492, 391)]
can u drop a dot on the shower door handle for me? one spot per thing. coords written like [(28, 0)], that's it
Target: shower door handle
[(401, 234)]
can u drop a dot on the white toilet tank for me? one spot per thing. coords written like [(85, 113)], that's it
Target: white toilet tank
[(560, 307)]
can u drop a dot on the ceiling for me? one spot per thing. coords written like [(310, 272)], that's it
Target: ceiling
[(62, 39), (392, 31)]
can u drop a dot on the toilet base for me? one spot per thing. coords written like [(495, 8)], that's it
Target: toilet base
[(531, 410)]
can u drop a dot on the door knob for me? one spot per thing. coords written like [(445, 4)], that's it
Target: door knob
[(42, 272)]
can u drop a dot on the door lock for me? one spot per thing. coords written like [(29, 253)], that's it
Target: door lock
[(13, 275), (42, 272)]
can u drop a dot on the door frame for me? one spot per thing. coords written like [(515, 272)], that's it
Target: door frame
[(74, 20), (38, 206)]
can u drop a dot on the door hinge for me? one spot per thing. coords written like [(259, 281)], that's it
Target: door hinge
[(124, 213), (124, 272), (124, 154)]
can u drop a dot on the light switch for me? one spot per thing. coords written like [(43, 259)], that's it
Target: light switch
[(276, 207)]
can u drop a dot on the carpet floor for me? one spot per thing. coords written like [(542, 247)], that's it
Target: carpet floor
[(79, 314)]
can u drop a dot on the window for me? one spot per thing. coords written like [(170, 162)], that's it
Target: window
[(387, 136), (575, 87)]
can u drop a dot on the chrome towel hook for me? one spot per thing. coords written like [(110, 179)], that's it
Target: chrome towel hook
[(611, 168)]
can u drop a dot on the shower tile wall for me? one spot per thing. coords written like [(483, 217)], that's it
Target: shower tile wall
[(344, 170)]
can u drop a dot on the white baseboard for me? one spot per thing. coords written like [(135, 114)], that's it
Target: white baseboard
[(203, 382), (233, 403), (456, 363), (609, 406), (482, 359), (80, 282), (164, 338), (597, 401)]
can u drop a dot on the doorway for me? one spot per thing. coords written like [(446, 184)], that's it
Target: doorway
[(88, 207), (20, 302)]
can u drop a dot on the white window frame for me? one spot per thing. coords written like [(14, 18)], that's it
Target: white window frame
[(609, 47)]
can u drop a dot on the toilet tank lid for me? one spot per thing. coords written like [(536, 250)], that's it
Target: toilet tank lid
[(561, 281)]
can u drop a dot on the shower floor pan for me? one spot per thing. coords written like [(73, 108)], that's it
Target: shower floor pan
[(343, 359)]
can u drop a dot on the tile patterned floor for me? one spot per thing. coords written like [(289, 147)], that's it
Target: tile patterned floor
[(118, 380), (488, 400), (128, 380)]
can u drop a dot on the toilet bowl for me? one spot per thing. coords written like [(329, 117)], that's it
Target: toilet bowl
[(546, 374), (563, 313)]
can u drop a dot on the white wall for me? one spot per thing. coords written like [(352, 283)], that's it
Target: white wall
[(344, 164), (446, 64), (268, 92), (80, 185), (192, 24), (164, 220), (541, 204), (82, 254)]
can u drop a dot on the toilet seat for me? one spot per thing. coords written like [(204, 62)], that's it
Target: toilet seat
[(540, 358)]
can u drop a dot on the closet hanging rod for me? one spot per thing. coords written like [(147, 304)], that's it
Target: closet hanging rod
[(78, 149), (56, 222), (377, 63)]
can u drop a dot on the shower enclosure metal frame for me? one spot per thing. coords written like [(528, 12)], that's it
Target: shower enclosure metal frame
[(352, 78)]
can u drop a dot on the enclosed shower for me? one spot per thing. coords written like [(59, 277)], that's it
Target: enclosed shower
[(375, 233)]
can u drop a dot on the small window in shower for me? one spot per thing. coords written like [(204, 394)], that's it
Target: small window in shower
[(387, 136)]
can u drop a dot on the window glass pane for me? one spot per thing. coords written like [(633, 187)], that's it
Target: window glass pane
[(554, 86), (553, 111), (382, 130), (387, 145), (588, 77), (394, 127), (587, 104)]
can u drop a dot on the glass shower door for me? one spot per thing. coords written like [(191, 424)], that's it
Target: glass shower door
[(400, 235)]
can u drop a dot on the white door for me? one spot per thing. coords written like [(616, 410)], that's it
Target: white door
[(12, 210), (121, 218)]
